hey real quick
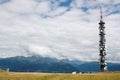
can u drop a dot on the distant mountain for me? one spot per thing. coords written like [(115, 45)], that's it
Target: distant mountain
[(62, 67), (47, 64)]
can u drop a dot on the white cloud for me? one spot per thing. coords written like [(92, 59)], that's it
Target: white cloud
[(109, 1), (42, 7), (41, 50), (69, 34), (20, 6), (57, 12)]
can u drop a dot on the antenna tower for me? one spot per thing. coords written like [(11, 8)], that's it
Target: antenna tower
[(102, 51)]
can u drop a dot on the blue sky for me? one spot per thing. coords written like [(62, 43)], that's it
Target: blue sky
[(58, 28)]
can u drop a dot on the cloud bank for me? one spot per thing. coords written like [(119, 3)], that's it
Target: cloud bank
[(58, 28)]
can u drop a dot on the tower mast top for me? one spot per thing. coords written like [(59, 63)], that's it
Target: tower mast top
[(101, 13)]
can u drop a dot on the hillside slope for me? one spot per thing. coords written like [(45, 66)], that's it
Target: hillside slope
[(46, 64)]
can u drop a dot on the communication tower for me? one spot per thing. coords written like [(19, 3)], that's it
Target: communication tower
[(102, 51)]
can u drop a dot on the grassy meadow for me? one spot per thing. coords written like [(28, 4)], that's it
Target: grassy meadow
[(48, 76)]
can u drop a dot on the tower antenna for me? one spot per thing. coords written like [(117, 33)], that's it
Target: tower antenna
[(101, 13), (102, 51)]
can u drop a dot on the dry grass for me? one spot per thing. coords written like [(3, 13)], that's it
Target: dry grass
[(47, 76)]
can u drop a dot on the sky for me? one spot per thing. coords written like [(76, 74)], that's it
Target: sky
[(63, 29)]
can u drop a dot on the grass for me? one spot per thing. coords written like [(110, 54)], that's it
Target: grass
[(48, 76)]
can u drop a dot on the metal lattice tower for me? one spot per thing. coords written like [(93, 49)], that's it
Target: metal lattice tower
[(102, 51)]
